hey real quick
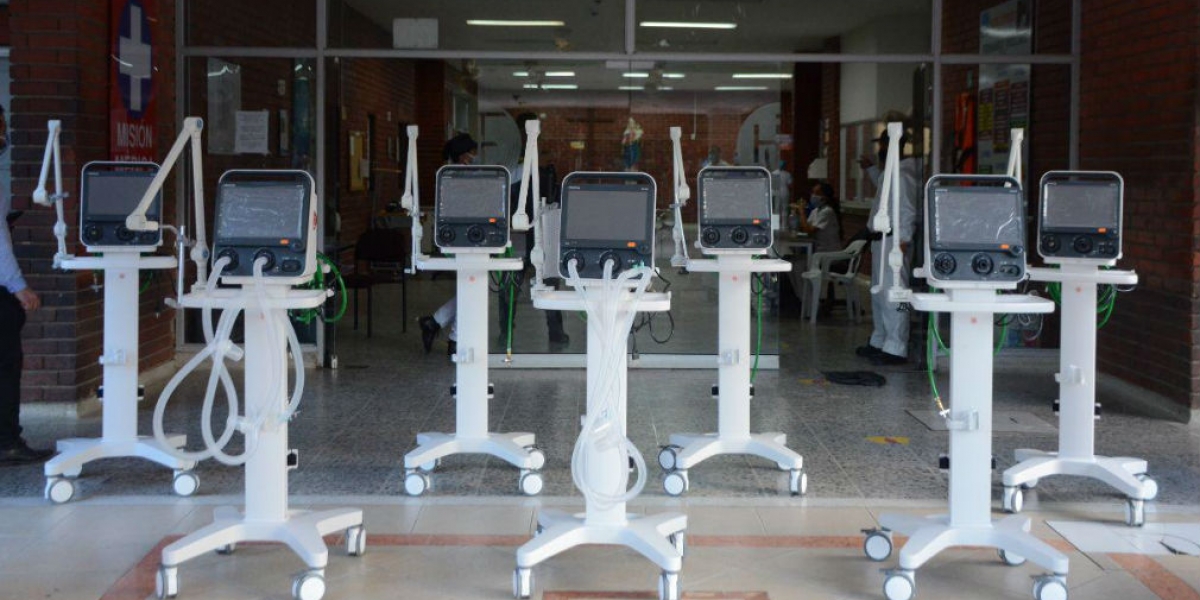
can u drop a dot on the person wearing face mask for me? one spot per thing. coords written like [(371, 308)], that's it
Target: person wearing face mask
[(822, 220), (459, 150), (889, 339)]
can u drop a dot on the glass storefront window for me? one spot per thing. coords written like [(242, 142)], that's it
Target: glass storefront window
[(530, 26), (257, 24), (784, 27)]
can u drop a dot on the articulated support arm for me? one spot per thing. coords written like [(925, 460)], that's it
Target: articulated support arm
[(887, 218), (411, 200), (136, 221), (1015, 168), (54, 153), (531, 179), (682, 194)]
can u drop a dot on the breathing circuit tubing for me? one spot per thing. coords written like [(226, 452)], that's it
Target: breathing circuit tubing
[(601, 426), (219, 348)]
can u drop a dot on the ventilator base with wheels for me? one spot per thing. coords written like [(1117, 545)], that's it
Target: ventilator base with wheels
[(515, 448), (121, 270), (1077, 397), (471, 387), (76, 452), (660, 537), (301, 531), (735, 355), (970, 423), (930, 535), (267, 517)]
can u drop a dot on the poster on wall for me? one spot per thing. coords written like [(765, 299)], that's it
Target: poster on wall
[(133, 87), (1003, 101)]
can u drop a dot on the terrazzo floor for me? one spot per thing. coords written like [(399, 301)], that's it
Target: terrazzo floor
[(864, 454)]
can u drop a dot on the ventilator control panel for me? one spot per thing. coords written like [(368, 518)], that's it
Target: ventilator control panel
[(269, 215), (1080, 217), (606, 217), (109, 192), (734, 208), (471, 207), (975, 233)]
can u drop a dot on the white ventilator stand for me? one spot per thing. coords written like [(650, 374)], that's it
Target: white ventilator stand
[(119, 437), (1077, 396), (734, 356), (660, 538), (471, 387), (267, 517), (972, 309)]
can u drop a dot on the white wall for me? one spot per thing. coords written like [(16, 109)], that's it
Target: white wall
[(867, 89)]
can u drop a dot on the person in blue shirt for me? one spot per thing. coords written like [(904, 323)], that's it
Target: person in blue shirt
[(16, 299)]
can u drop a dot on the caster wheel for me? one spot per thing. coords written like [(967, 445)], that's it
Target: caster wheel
[(667, 457), (1135, 512), (1013, 499), (166, 582), (430, 466), (675, 483), (60, 490), (522, 583), (308, 586), (1149, 487), (679, 540), (1051, 587), (185, 483), (668, 586), (798, 482), (416, 483), (356, 541), (227, 549), (537, 458), (899, 585), (1029, 485), (877, 545), (531, 483), (1011, 559)]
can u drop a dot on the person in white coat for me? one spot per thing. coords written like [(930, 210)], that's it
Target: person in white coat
[(889, 339)]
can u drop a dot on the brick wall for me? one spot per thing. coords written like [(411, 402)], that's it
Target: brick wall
[(1139, 106), (59, 62)]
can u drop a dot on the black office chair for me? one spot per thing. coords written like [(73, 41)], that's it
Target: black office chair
[(379, 257)]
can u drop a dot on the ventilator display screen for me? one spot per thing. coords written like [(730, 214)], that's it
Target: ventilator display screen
[(611, 214), (978, 216), (472, 195), (262, 210), (1081, 205), (737, 197), (116, 194)]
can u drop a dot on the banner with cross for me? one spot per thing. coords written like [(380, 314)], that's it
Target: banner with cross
[(132, 97)]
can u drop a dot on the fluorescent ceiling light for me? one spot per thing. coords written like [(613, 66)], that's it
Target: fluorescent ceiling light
[(631, 88), (762, 75), (551, 86), (673, 75), (514, 23), (688, 25), (635, 75), (547, 74), (740, 88)]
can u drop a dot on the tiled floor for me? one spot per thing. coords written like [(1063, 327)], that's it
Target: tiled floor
[(864, 453)]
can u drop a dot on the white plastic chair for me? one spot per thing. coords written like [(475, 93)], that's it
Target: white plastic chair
[(819, 274)]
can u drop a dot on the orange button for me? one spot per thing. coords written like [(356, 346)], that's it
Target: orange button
[(492, 220), (1103, 230), (283, 242), (756, 221), (631, 244), (1004, 246)]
